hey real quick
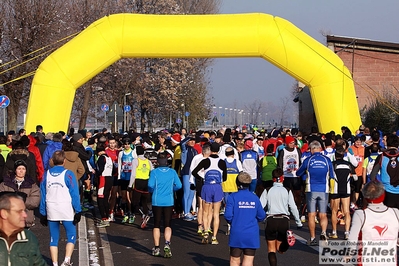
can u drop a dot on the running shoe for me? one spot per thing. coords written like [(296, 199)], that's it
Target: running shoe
[(340, 215), (66, 263), (188, 217), (228, 230), (221, 212), (346, 235), (323, 237), (303, 219), (214, 241), (131, 219), (120, 212), (290, 238), (144, 222), (205, 238), (312, 242), (167, 251), (111, 217), (125, 219), (209, 231), (316, 220), (342, 221), (156, 252), (333, 235), (103, 223), (200, 232)]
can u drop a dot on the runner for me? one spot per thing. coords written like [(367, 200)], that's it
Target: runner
[(279, 201), (139, 184), (125, 159), (244, 219), (212, 194), (162, 182)]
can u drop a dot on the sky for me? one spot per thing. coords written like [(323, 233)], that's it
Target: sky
[(237, 82)]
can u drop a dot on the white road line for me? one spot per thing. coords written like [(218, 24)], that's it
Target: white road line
[(83, 246), (106, 247), (305, 242)]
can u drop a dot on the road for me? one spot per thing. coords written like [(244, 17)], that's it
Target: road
[(130, 245)]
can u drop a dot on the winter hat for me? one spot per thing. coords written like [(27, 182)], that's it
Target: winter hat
[(18, 145), (215, 147), (288, 140), (19, 163), (25, 140), (176, 138), (77, 136), (91, 141), (248, 144)]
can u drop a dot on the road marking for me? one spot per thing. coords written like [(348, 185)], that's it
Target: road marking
[(83, 247), (106, 247)]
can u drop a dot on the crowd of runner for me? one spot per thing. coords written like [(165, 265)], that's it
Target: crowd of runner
[(241, 173)]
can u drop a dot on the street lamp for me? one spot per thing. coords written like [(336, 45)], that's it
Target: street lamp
[(220, 115), (184, 112), (124, 112), (225, 115), (96, 89)]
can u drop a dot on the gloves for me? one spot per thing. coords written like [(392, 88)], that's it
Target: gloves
[(192, 187), (76, 218), (43, 220)]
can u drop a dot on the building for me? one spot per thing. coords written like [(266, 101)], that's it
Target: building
[(375, 70)]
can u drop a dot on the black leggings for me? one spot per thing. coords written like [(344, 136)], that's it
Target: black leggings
[(167, 216), (136, 198), (103, 203)]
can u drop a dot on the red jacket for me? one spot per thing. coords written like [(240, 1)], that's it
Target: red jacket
[(39, 163)]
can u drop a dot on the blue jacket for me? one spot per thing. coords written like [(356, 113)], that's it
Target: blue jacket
[(162, 183), (70, 181), (244, 211), (52, 146), (317, 171), (187, 155)]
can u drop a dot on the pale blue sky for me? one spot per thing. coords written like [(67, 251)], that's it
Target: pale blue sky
[(240, 81)]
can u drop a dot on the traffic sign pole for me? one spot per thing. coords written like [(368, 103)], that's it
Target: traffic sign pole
[(4, 102)]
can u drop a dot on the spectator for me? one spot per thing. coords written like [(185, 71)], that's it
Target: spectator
[(14, 239)]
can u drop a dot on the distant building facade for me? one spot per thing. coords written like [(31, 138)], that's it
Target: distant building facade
[(374, 66)]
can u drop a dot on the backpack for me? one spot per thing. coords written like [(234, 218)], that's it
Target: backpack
[(392, 167)]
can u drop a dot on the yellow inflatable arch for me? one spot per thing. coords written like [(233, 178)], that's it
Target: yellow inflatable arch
[(186, 36)]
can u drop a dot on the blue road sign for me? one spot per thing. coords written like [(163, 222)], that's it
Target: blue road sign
[(105, 107), (127, 108), (4, 101), (187, 114)]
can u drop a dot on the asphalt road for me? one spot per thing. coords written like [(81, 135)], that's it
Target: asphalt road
[(130, 245)]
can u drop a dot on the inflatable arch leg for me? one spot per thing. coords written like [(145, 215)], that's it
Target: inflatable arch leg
[(186, 36)]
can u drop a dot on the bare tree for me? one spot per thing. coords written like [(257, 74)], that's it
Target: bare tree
[(29, 31)]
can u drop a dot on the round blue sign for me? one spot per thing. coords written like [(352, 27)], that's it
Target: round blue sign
[(4, 101), (127, 108), (187, 114), (105, 107)]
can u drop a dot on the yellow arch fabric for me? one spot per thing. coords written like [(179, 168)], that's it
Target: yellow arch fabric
[(185, 36)]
